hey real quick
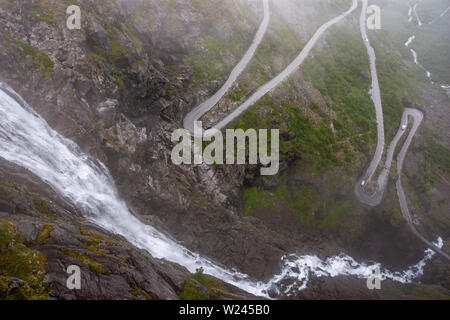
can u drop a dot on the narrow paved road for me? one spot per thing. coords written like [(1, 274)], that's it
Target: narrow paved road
[(208, 104), (441, 15), (376, 98), (264, 89), (376, 198), (369, 199), (418, 117)]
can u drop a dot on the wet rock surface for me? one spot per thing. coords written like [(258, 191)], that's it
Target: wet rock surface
[(119, 87), (111, 268)]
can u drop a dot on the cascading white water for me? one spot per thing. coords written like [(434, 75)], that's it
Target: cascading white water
[(413, 37), (410, 40), (419, 22), (28, 141), (415, 56), (298, 270)]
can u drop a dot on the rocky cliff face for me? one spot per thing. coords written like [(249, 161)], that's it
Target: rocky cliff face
[(118, 87), (41, 236)]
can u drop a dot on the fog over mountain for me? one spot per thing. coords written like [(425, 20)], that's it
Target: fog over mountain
[(356, 122)]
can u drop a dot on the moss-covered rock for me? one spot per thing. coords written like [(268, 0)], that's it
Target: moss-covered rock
[(22, 269), (139, 292), (86, 259), (44, 234), (42, 62), (192, 291)]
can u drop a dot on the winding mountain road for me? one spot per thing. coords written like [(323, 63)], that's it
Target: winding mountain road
[(418, 117), (26, 140), (208, 104), (441, 15), (375, 94), (199, 111), (375, 198)]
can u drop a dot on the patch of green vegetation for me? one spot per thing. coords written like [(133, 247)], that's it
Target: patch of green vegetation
[(92, 235), (208, 65), (318, 144), (42, 11), (138, 292), (415, 291), (41, 205), (305, 202), (4, 286), (432, 44), (276, 50), (191, 291), (206, 280), (72, 2), (93, 247), (283, 43), (254, 199), (7, 189), (45, 233), (325, 213), (85, 259), (397, 83), (132, 35), (19, 261), (97, 57), (341, 72), (95, 239), (239, 91), (282, 192), (336, 213), (436, 152), (41, 60), (115, 53), (246, 227), (315, 145), (119, 78)]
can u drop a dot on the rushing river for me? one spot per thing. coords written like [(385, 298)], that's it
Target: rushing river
[(28, 141)]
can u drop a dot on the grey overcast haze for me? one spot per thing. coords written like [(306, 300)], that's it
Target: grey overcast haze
[(224, 150)]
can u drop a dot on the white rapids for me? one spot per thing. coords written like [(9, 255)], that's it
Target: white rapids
[(415, 55), (413, 37), (419, 22), (196, 113), (298, 270)]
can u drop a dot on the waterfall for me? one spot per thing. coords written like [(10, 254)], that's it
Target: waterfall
[(28, 141)]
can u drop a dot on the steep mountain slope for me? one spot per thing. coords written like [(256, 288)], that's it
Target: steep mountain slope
[(119, 87)]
